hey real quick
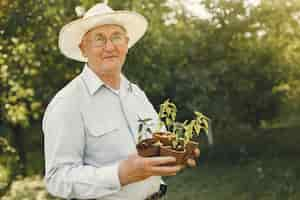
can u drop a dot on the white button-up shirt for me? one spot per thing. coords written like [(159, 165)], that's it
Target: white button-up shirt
[(88, 129)]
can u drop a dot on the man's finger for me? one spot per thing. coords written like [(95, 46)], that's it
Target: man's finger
[(161, 160), (191, 163), (166, 170), (197, 152)]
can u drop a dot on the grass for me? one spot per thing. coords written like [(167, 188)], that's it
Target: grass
[(236, 169), (262, 178), (258, 179)]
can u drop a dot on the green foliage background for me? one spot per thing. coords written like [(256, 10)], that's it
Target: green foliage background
[(240, 67)]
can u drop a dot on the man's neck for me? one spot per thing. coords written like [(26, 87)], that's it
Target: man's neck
[(110, 78)]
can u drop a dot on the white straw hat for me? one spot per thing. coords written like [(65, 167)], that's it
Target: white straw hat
[(71, 34)]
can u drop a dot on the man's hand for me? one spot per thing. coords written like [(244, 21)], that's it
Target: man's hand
[(137, 168), (191, 161)]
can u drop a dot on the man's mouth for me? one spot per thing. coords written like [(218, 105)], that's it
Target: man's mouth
[(109, 57)]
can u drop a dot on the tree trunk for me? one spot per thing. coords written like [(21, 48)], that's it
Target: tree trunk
[(18, 140)]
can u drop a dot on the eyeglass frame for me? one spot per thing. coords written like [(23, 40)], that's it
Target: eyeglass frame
[(124, 37)]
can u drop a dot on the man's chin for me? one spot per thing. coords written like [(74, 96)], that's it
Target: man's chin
[(110, 67)]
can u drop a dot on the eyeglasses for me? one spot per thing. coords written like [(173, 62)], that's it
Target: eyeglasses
[(116, 39)]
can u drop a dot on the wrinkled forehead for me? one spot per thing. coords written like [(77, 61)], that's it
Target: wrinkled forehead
[(106, 29)]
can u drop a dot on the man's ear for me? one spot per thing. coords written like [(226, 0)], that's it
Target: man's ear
[(82, 49)]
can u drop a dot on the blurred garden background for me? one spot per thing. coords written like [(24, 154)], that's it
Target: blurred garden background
[(237, 61)]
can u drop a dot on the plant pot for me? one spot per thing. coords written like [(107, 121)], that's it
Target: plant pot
[(147, 147), (165, 138), (179, 155), (190, 148)]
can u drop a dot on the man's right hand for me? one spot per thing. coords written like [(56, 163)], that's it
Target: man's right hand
[(137, 168)]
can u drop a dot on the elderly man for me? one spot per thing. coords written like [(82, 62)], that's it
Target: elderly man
[(90, 126)]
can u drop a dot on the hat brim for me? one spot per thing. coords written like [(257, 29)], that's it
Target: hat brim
[(71, 34)]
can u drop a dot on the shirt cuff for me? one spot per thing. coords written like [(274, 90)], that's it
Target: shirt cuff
[(110, 175)]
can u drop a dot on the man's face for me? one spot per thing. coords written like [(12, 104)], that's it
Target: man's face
[(106, 48)]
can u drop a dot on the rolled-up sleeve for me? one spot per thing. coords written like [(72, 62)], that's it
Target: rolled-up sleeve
[(66, 174)]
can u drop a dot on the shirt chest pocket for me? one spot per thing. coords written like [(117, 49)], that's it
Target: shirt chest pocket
[(99, 130), (106, 141), (102, 136)]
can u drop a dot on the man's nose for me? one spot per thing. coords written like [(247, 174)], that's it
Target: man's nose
[(109, 46)]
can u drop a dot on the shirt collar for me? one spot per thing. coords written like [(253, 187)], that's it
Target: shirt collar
[(126, 86), (93, 82)]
